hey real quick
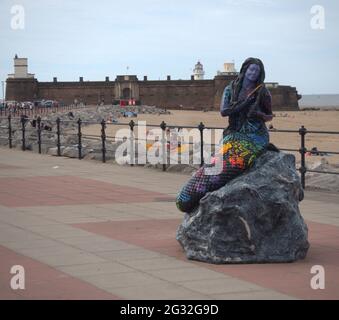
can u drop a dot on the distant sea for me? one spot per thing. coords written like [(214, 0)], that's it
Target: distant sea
[(319, 100)]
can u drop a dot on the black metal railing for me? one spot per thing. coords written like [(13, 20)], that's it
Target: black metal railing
[(302, 131), (36, 111)]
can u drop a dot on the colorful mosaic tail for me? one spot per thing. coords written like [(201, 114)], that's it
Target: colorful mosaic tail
[(237, 154)]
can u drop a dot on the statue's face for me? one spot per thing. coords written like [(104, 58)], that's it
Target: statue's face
[(253, 72)]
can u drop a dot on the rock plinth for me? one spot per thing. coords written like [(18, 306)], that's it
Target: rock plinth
[(255, 218)]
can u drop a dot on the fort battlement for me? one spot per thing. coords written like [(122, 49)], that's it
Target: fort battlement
[(174, 94)]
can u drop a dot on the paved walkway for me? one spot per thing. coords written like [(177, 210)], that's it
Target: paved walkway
[(87, 230)]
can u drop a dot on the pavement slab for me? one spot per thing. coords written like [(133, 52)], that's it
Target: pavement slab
[(88, 230)]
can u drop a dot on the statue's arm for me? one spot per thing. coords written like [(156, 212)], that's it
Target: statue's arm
[(267, 103), (265, 111), (227, 108)]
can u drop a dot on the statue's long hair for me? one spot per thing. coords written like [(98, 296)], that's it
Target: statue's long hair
[(237, 83)]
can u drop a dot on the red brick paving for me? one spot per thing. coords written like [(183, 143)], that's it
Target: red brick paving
[(44, 282), (68, 190), (292, 279), (8, 167)]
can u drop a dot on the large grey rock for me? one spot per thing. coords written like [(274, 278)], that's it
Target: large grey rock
[(255, 218), (71, 139), (54, 151), (73, 151), (44, 148)]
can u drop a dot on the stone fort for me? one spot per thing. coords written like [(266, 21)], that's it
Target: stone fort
[(196, 93)]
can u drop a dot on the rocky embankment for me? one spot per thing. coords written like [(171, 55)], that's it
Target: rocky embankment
[(91, 147)]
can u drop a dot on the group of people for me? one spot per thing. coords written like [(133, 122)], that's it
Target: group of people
[(34, 123), (14, 106)]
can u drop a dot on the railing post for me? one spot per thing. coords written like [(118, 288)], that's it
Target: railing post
[(79, 139), (163, 145), (103, 140), (132, 155), (302, 150), (39, 133), (58, 136), (201, 128), (10, 131), (23, 129)]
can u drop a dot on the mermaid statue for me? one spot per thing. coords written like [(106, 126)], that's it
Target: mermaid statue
[(247, 104)]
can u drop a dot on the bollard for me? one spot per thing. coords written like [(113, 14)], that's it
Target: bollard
[(39, 133), (163, 144), (58, 136), (302, 150), (79, 139), (103, 140), (23, 120), (10, 131), (201, 128), (132, 158)]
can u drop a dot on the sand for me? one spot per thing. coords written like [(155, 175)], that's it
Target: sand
[(312, 120)]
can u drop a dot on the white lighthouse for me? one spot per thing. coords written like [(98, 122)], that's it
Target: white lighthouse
[(198, 71)]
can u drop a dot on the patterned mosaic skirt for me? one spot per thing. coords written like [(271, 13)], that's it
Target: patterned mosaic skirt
[(237, 154)]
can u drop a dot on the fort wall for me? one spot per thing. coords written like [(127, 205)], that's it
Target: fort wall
[(173, 94)]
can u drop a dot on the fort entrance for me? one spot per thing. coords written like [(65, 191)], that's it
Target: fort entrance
[(126, 93)]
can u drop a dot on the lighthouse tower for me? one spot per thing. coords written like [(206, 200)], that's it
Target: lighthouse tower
[(198, 71)]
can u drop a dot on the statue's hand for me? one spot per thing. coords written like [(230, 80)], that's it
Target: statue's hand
[(244, 103), (267, 117), (253, 111), (240, 106), (250, 100)]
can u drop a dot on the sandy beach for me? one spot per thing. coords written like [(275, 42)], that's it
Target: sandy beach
[(293, 120)]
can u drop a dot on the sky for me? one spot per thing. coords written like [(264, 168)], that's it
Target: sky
[(94, 39)]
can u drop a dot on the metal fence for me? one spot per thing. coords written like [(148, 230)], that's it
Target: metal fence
[(35, 111), (302, 131)]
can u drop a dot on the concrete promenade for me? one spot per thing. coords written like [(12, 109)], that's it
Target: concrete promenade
[(88, 230)]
